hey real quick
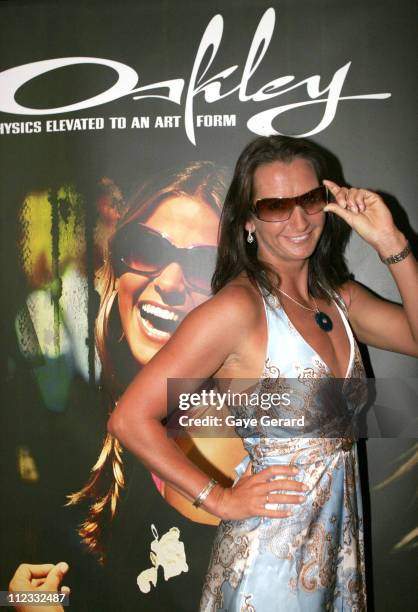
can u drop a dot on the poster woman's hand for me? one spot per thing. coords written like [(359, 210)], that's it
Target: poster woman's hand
[(368, 215), (45, 577)]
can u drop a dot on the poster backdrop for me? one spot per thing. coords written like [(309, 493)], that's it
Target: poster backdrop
[(106, 112)]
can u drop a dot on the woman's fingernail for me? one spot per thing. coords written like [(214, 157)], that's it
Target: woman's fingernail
[(305, 487), (62, 566), (295, 470)]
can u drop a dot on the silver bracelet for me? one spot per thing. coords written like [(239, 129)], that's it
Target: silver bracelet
[(204, 493), (392, 259)]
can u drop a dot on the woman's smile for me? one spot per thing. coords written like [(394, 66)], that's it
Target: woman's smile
[(297, 237), (152, 308), (158, 321)]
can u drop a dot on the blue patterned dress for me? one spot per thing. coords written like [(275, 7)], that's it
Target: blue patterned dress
[(314, 559)]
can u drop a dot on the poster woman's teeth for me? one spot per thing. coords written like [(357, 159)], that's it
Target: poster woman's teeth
[(159, 322)]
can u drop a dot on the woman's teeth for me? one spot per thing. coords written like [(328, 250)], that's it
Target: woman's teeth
[(159, 322), (298, 239), (159, 312)]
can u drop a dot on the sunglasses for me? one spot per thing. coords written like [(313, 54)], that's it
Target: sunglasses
[(141, 250), (280, 209)]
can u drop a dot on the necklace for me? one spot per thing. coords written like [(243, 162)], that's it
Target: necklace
[(321, 319)]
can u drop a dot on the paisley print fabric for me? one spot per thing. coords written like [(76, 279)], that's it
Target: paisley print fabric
[(314, 559)]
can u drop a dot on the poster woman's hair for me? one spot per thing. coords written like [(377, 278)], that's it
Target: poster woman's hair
[(327, 267), (204, 181)]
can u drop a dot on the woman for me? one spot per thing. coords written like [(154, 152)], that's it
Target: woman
[(281, 304), (157, 269), (147, 286)]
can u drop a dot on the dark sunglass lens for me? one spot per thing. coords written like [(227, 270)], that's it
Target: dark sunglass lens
[(199, 266), (138, 248), (273, 209), (315, 200), (145, 253)]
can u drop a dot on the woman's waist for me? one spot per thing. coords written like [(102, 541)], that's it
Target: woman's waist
[(324, 460), (271, 451)]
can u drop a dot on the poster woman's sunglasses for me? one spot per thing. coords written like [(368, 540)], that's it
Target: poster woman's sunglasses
[(280, 209), (141, 250)]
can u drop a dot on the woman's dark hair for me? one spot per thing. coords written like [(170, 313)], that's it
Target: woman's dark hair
[(327, 266), (204, 181)]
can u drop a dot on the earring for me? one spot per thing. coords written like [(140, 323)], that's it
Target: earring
[(250, 237)]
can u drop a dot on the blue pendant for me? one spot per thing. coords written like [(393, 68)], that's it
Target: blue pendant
[(323, 321)]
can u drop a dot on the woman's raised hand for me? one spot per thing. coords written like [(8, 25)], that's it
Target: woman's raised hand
[(368, 215), (252, 492)]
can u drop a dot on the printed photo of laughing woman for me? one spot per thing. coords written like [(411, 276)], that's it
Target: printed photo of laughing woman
[(158, 267)]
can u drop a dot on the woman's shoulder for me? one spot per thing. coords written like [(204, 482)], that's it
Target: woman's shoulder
[(219, 324), (348, 292), (240, 297), (238, 303)]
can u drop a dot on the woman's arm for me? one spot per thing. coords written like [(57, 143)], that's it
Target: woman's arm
[(203, 341), (375, 321)]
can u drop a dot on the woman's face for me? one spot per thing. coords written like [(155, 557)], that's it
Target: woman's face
[(296, 238), (151, 308)]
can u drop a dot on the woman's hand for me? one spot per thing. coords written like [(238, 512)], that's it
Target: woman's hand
[(39, 578), (252, 492), (368, 215)]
